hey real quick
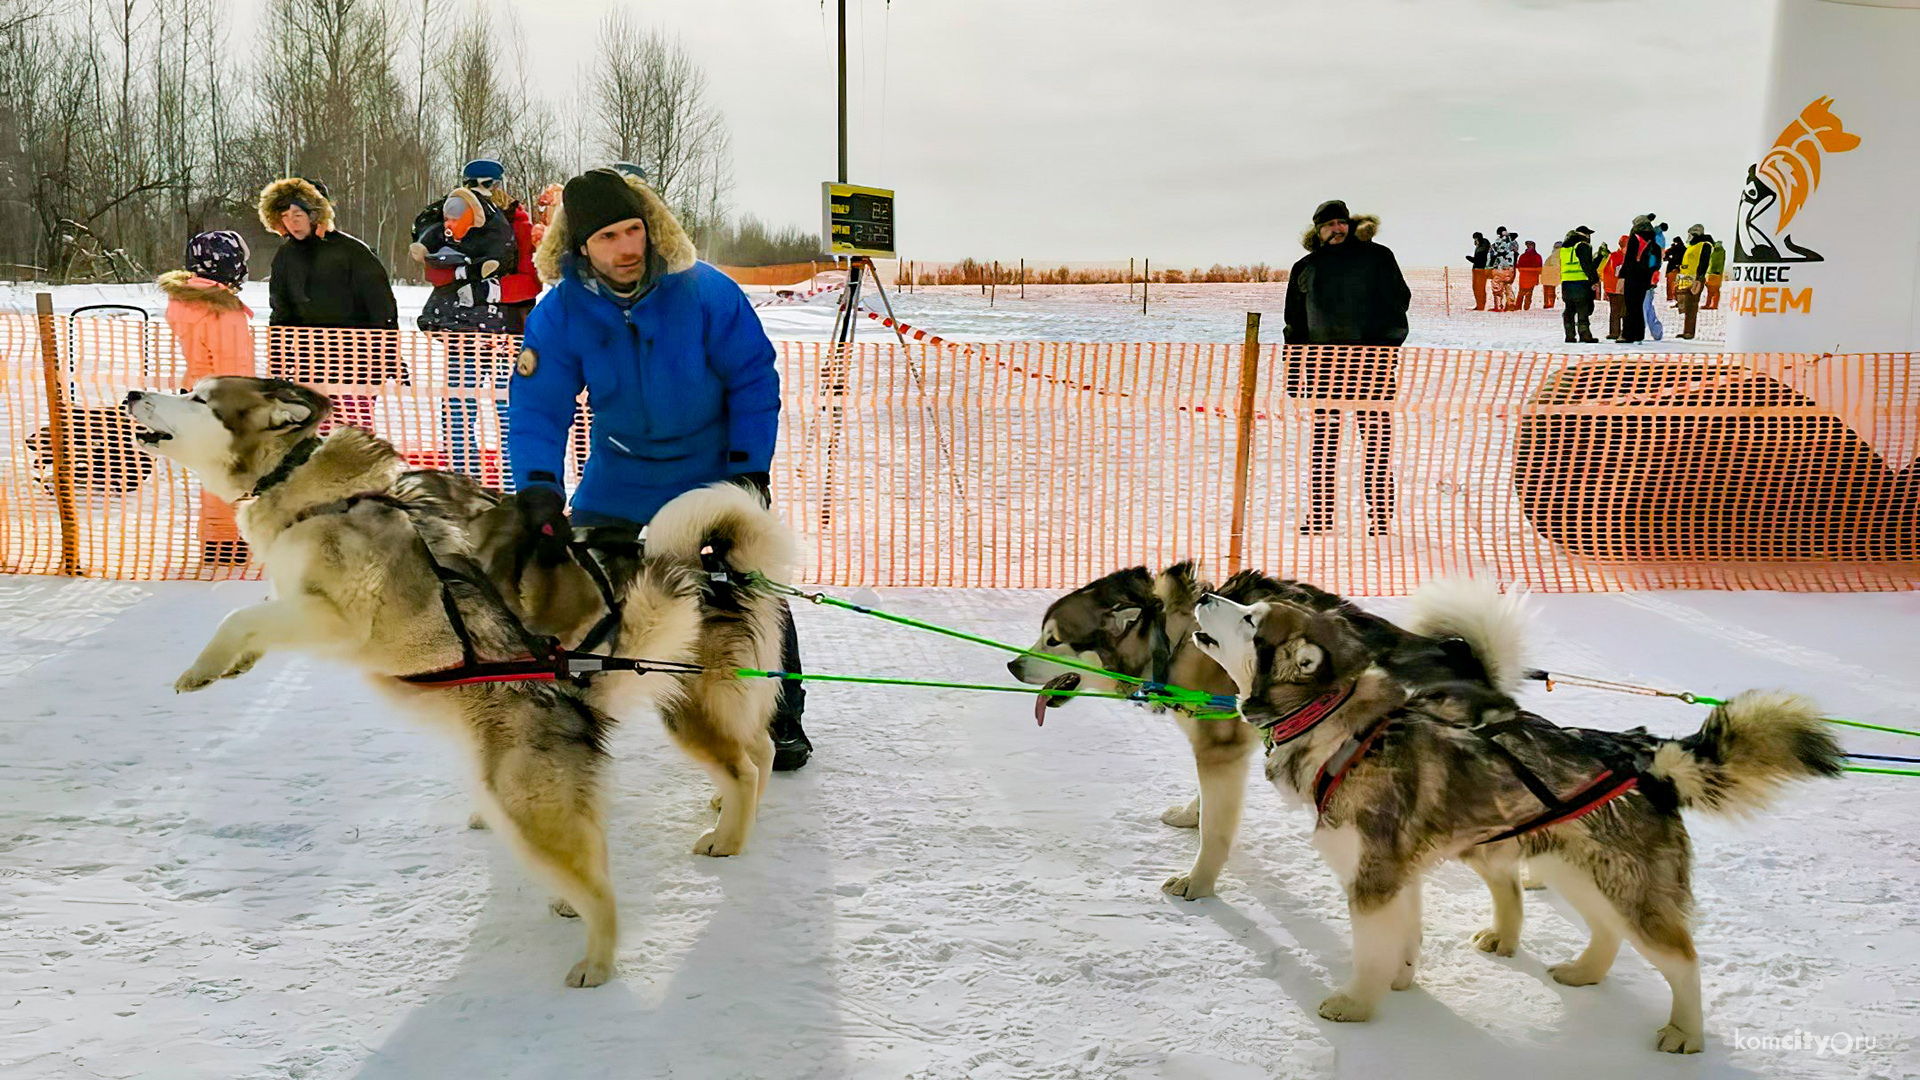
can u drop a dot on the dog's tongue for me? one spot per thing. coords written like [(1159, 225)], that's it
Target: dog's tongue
[(1044, 701)]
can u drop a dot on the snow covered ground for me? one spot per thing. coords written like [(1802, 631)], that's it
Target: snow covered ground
[(274, 878)]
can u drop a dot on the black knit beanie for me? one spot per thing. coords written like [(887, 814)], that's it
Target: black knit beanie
[(596, 199), (1331, 210)]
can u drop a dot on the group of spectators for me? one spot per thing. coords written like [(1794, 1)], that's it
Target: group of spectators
[(476, 247), (1505, 275)]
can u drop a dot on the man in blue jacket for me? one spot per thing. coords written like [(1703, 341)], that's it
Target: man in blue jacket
[(679, 374)]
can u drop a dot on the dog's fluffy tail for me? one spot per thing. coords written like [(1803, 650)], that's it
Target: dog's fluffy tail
[(1493, 623), (1746, 750), (730, 520)]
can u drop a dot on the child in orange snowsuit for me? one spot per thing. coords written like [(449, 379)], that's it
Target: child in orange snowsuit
[(212, 328)]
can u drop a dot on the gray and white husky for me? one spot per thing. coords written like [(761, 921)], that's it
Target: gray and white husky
[(351, 538), (1440, 772)]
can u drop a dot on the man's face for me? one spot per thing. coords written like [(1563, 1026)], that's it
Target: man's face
[(1334, 232), (619, 251), (297, 222)]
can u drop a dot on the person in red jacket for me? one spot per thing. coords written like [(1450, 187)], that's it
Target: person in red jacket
[(1528, 264), (519, 287)]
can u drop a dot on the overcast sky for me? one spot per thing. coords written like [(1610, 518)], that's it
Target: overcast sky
[(1195, 131)]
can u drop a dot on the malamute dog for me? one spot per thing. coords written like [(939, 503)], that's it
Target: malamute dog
[(1139, 623), (356, 546), (1403, 777)]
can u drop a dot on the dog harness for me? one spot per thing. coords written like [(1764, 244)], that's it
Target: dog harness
[(1613, 781), (545, 659)]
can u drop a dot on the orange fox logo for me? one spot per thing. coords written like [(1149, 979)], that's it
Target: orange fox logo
[(1786, 177)]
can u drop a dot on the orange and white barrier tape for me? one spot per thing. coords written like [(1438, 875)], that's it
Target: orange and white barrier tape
[(934, 339)]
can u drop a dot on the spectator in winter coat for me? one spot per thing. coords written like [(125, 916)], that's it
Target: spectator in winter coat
[(1501, 262), (212, 328), (1637, 270), (519, 283), (1688, 279), (679, 373), (1579, 276), (1610, 281), (324, 278), (1528, 266), (1550, 276), (1716, 274), (1482, 251), (1348, 290), (468, 245), (1675, 252)]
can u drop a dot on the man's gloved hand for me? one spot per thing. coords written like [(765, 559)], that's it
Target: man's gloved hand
[(543, 514), (757, 482)]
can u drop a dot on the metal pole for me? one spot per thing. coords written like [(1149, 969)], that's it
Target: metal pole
[(1243, 442), (1023, 279), (1144, 278), (843, 91)]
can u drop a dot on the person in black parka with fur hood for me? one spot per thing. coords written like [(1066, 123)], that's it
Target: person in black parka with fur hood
[(1348, 291), (322, 277)]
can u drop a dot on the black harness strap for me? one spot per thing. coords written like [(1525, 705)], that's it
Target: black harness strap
[(603, 631), (1618, 777)]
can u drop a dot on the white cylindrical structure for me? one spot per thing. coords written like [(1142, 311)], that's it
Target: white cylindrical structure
[(1825, 251)]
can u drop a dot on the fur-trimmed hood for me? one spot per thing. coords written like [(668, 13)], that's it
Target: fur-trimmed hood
[(1362, 227), (671, 247), (179, 285), (277, 196)]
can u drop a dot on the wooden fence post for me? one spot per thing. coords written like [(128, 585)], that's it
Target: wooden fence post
[(1144, 278), (1243, 443), (59, 435)]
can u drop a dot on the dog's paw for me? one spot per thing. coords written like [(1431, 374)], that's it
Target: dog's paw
[(476, 821), (1346, 1009), (559, 906), (590, 973), (1572, 974), (1404, 980), (1182, 815), (1489, 940), (1677, 1040), (1184, 887), (197, 677), (709, 844)]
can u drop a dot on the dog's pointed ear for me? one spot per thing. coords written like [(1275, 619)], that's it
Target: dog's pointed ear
[(1340, 651), (287, 414), (291, 406), (1122, 619)]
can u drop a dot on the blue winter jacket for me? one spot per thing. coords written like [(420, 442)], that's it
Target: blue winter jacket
[(682, 385)]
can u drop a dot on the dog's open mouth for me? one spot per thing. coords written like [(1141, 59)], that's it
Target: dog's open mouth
[(1205, 640), (149, 437)]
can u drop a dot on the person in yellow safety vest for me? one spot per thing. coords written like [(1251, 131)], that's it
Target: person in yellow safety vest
[(1578, 276), (1689, 282)]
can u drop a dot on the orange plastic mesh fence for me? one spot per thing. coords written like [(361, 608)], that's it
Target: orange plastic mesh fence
[(1042, 465)]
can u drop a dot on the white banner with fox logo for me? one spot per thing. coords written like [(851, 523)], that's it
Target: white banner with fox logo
[(1825, 251)]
